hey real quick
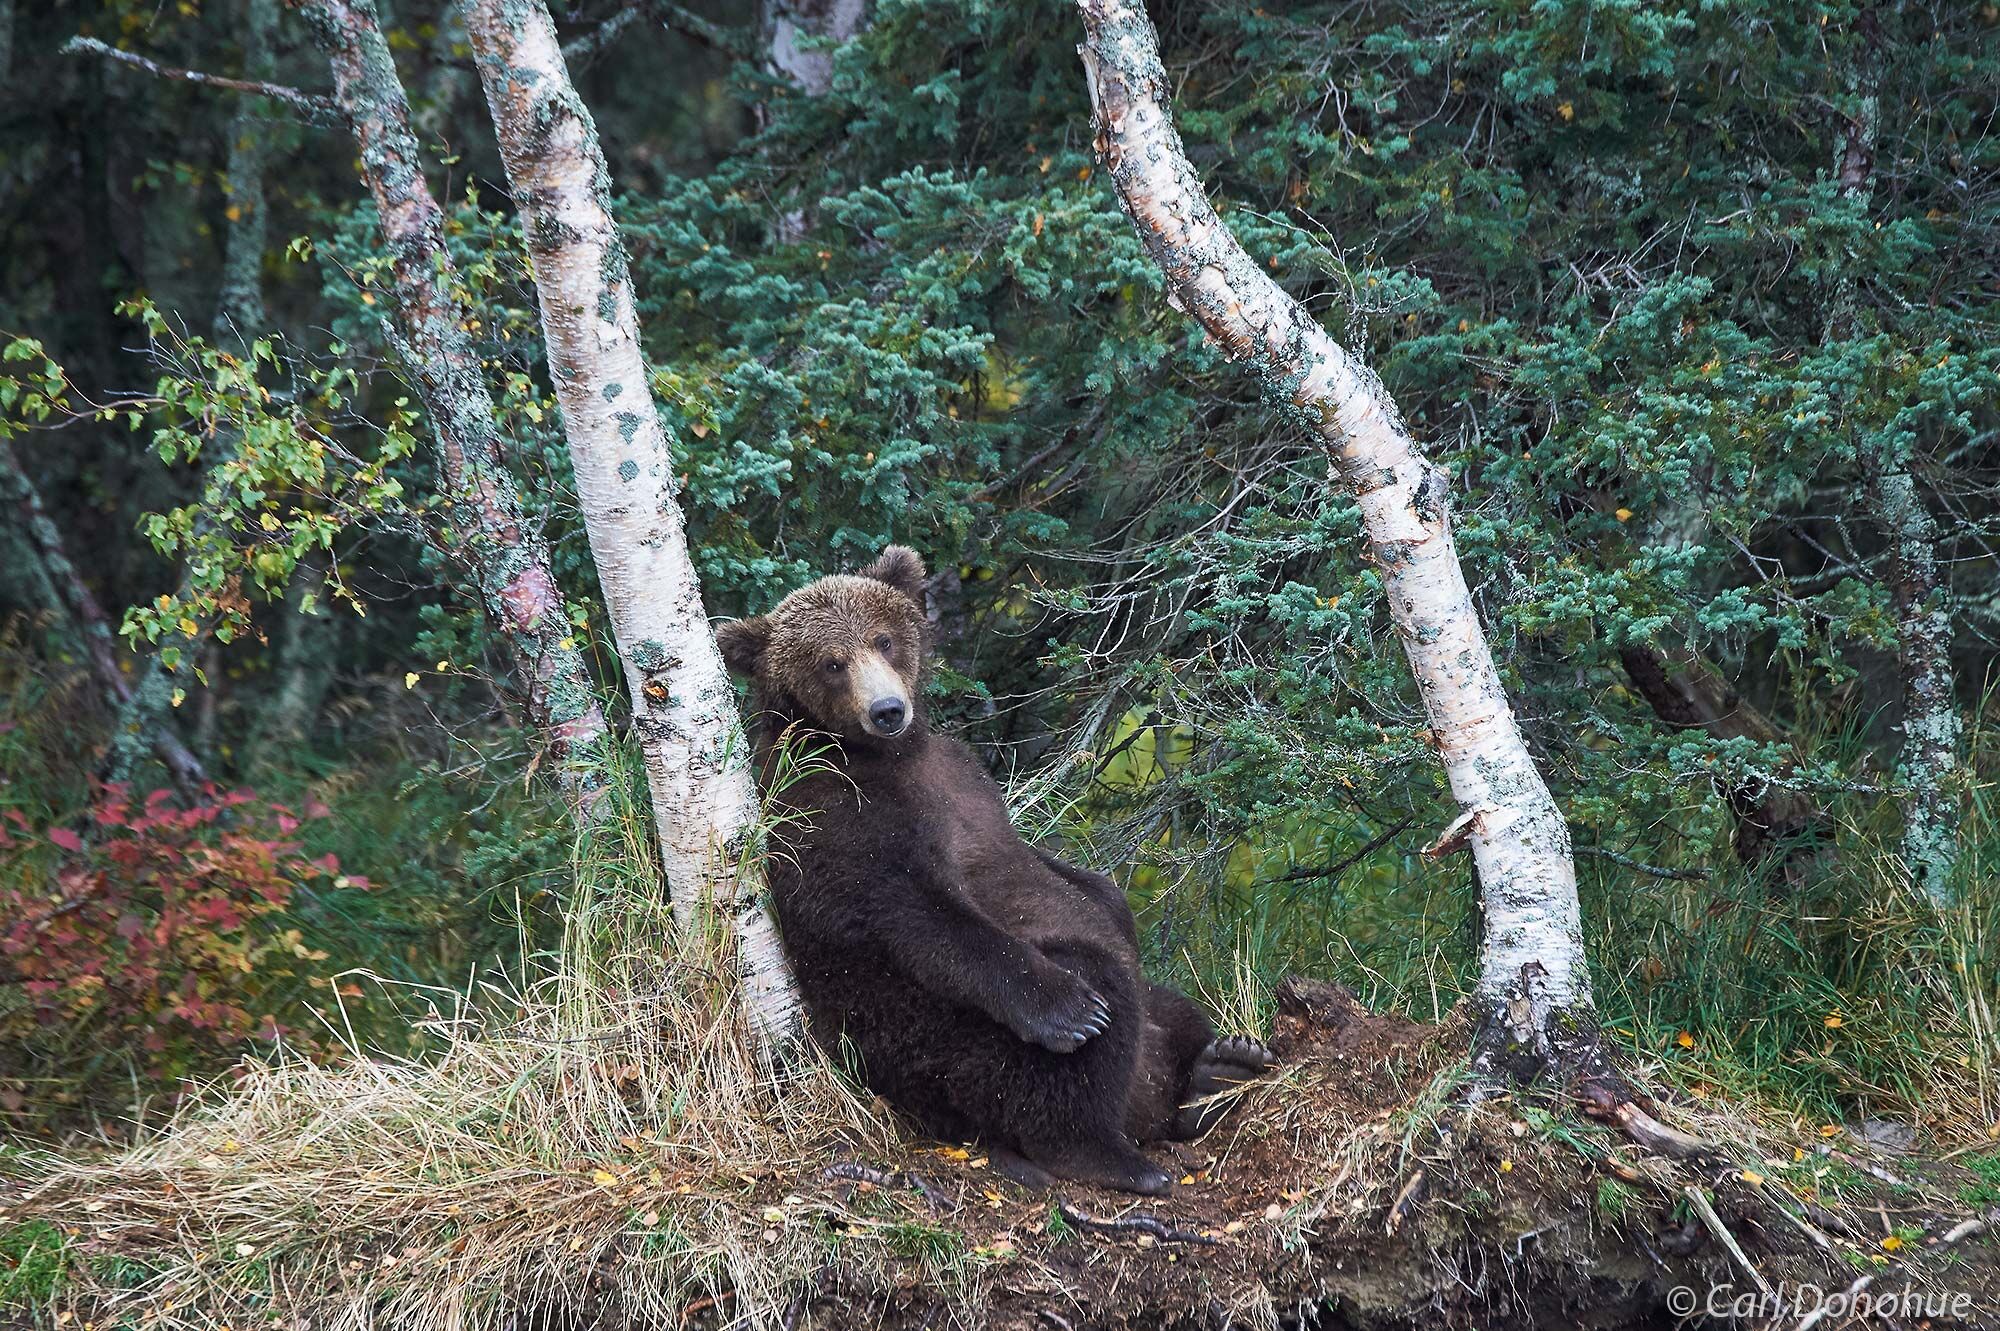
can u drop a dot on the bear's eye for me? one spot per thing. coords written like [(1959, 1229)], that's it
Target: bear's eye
[(883, 643), (834, 667)]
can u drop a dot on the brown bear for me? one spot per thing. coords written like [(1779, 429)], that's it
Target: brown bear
[(990, 989)]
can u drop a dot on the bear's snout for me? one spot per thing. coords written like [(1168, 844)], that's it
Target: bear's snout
[(887, 717)]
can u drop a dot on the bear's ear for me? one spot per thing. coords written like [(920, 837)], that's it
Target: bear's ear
[(901, 568), (743, 642)]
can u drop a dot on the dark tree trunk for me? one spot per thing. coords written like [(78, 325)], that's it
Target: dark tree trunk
[(1772, 824)]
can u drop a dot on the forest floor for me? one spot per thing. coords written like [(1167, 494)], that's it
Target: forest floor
[(1357, 1188)]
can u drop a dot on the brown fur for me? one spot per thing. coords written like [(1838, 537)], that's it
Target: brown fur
[(989, 989)]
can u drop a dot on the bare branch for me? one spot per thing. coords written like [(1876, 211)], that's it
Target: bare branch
[(313, 107), (579, 51)]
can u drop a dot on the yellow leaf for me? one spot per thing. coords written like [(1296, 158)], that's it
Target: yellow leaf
[(1685, 1040), (410, 680), (1506, 1166), (268, 522), (603, 1178), (188, 627), (1623, 515), (1752, 1177), (955, 1153), (367, 298), (1566, 111), (1891, 1243), (1834, 1022)]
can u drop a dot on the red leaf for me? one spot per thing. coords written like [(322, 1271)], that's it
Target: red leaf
[(65, 838)]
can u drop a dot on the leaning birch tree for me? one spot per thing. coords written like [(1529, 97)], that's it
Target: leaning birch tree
[(1534, 987), (683, 703), (503, 553)]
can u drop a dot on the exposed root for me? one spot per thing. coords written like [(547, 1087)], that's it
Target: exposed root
[(1131, 1224), (1698, 1199), (1608, 1100), (1405, 1199), (887, 1180)]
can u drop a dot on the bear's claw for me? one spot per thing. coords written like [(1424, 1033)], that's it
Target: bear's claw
[(1069, 1021)]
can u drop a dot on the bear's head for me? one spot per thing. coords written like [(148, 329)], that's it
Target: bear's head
[(845, 654)]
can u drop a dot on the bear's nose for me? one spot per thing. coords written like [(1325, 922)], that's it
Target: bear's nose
[(886, 715)]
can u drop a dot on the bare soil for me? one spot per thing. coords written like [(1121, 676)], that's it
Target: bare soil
[(1338, 1197)]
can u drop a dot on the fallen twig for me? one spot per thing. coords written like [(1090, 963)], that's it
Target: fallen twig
[(1131, 1224)]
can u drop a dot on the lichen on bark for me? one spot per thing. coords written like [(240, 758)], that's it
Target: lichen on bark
[(500, 550)]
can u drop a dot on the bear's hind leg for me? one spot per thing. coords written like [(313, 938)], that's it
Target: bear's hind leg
[(1223, 1064), (1177, 1031)]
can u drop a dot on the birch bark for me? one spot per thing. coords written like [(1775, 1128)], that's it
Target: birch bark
[(1534, 987), (683, 704), (1927, 764), (504, 554)]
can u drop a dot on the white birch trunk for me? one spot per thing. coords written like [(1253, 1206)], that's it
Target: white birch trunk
[(1534, 987), (683, 704)]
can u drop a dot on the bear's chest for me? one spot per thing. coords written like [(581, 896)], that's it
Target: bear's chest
[(959, 812)]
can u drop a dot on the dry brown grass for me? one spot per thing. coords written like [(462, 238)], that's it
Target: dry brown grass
[(616, 1111)]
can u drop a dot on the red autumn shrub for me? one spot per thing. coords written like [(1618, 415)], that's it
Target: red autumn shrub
[(156, 942)]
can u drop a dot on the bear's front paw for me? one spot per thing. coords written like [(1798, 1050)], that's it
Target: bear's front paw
[(1066, 1019)]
